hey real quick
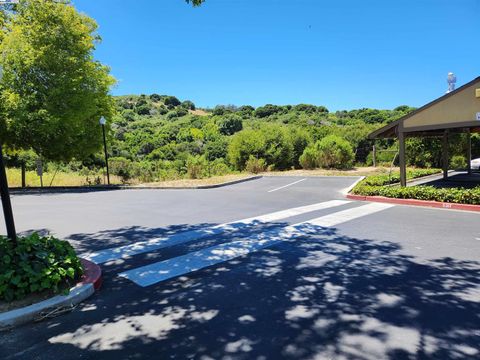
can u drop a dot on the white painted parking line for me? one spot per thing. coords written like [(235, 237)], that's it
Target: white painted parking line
[(140, 247), (285, 186), (164, 270)]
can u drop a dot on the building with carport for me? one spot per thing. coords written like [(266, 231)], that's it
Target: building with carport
[(455, 112)]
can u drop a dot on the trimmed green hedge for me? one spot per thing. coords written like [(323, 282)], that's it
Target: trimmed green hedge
[(36, 264), (452, 195), (385, 179), (378, 186)]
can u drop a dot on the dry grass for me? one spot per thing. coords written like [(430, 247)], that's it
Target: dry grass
[(61, 179), (198, 182), (198, 112), (359, 171)]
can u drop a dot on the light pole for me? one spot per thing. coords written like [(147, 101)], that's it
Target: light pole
[(103, 121), (4, 193)]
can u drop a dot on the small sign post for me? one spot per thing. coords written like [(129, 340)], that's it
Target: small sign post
[(40, 171)]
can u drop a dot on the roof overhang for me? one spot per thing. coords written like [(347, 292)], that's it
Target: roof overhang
[(443, 114)]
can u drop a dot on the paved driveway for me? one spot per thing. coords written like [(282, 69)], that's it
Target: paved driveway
[(274, 268)]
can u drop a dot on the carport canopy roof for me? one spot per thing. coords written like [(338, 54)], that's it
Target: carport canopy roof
[(456, 111)]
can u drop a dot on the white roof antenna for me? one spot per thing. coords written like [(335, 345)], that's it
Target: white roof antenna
[(451, 80)]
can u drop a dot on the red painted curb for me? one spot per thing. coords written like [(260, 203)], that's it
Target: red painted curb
[(92, 274), (415, 202)]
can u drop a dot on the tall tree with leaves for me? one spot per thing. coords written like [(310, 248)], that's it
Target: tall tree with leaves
[(195, 2), (53, 90)]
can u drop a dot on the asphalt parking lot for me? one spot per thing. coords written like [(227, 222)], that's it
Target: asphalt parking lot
[(274, 268)]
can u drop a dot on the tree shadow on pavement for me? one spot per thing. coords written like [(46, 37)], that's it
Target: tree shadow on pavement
[(321, 296)]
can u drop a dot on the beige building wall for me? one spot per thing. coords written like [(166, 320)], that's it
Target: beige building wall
[(460, 107)]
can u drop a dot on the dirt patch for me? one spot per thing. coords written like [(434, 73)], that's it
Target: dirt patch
[(199, 112)]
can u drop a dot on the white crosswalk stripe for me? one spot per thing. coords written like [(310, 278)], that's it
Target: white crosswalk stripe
[(164, 270), (140, 247)]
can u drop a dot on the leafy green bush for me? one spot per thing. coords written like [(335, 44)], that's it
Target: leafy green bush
[(245, 144), (458, 162), (171, 101), (393, 178), (230, 125), (122, 167), (308, 160), (36, 264), (197, 167), (255, 165), (330, 152), (334, 152)]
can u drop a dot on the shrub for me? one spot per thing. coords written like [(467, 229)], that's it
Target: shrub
[(308, 160), (254, 165), (310, 109), (216, 149), (197, 167), (171, 101), (458, 162), (189, 105), (245, 144), (230, 125), (451, 195), (218, 168), (36, 264), (278, 151), (143, 110), (155, 97), (300, 140), (267, 110), (334, 152), (121, 167)]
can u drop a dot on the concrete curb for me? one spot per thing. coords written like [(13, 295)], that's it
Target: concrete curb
[(79, 189), (350, 188), (415, 202), (91, 281)]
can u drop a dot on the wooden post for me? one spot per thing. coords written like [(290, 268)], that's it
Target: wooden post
[(445, 155), (24, 182), (469, 152), (374, 155), (403, 165)]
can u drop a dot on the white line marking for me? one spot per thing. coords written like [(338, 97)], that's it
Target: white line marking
[(164, 270), (283, 187), (140, 247), (350, 188)]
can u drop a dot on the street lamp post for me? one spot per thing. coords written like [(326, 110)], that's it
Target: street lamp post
[(103, 121), (4, 193)]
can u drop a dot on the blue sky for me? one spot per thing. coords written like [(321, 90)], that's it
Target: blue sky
[(343, 54)]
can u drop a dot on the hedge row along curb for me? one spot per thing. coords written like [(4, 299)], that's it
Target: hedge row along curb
[(90, 282), (414, 202)]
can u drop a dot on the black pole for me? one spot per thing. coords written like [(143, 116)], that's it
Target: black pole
[(6, 204), (106, 153), (24, 182)]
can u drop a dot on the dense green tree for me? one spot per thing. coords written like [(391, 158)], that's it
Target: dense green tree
[(230, 125), (53, 91), (244, 144), (189, 105), (267, 110), (195, 2), (155, 97), (171, 101)]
